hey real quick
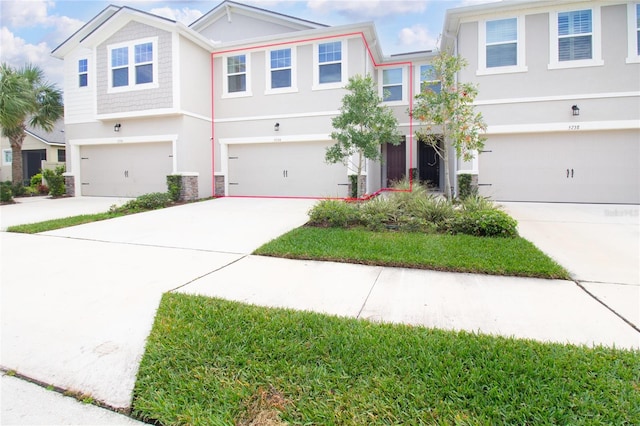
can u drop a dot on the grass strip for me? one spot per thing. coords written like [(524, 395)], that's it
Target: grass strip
[(50, 225), (456, 253), (214, 362)]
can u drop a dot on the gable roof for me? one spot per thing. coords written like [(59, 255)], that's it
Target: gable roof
[(226, 7), (113, 18), (54, 137)]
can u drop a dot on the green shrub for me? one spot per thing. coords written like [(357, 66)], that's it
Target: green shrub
[(55, 180), (477, 202), (465, 189), (151, 201), (379, 213), (334, 213), (484, 223), (174, 184), (6, 195), (36, 180), (17, 189)]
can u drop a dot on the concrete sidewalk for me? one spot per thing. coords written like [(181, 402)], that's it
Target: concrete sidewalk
[(79, 320)]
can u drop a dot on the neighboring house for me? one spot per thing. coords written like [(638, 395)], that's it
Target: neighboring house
[(240, 103), (559, 87), (40, 150)]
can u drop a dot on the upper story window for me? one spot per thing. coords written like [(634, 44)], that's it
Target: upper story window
[(633, 28), (329, 65), (575, 38), (236, 81), (575, 35), (428, 79), (501, 46), (502, 43), (83, 73), (281, 77), (392, 87), (133, 65)]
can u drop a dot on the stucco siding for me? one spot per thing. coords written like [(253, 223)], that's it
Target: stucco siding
[(136, 100), (195, 78)]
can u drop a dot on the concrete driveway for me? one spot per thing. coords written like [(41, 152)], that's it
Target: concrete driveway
[(599, 244)]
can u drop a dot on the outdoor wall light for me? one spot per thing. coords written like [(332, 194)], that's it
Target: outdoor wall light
[(575, 110), (276, 127), (116, 128)]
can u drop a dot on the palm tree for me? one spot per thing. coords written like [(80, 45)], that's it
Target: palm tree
[(26, 95)]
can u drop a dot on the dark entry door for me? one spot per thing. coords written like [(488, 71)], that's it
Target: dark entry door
[(428, 165), (396, 162), (32, 163)]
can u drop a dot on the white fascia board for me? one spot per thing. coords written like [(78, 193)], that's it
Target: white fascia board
[(139, 114), (72, 42), (276, 139), (567, 126), (124, 140)]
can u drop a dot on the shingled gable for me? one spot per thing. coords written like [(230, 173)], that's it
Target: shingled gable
[(113, 18), (217, 24)]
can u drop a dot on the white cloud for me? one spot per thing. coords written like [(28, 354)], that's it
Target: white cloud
[(19, 14), (368, 9), (185, 15), (17, 52), (417, 37)]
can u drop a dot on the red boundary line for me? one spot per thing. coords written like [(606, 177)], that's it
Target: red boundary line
[(284, 43)]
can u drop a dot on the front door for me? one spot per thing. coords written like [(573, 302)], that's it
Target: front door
[(396, 162), (32, 163), (428, 165)]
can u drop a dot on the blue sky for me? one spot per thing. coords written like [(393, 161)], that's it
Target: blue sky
[(31, 29)]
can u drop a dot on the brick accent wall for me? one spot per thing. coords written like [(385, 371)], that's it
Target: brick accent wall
[(189, 188), (70, 185), (219, 189)]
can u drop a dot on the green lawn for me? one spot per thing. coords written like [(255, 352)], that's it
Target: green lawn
[(460, 253), (50, 225), (213, 362)]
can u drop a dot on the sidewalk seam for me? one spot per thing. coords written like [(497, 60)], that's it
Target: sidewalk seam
[(632, 325), (366, 299), (207, 274)]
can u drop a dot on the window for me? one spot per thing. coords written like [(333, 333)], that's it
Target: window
[(133, 65), (280, 68), (7, 156), (62, 156), (502, 43), (237, 73), (392, 84), (633, 28), (575, 32), (83, 67), (330, 62), (575, 39), (428, 79)]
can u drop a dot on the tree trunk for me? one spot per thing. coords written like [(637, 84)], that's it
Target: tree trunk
[(16, 141), (447, 179), (360, 190)]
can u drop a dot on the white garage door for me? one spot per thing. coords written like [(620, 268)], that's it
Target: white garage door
[(295, 169), (585, 167), (125, 170)]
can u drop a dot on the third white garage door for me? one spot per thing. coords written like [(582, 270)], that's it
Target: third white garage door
[(292, 169), (125, 170), (584, 167)]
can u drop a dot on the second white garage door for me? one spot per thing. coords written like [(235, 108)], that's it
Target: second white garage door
[(125, 170), (584, 167), (294, 169)]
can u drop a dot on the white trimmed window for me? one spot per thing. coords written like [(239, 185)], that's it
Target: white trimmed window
[(281, 76), (133, 65), (575, 38), (392, 88), (501, 46), (633, 28), (428, 79), (83, 73), (7, 157), (236, 80), (330, 69)]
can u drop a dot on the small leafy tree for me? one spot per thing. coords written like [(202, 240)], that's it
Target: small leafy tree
[(25, 95), (447, 117), (362, 126)]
